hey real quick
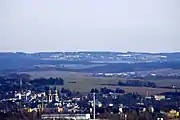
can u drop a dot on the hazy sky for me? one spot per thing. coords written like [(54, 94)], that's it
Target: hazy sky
[(75, 25)]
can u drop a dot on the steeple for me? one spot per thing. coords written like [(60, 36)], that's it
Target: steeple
[(50, 96), (56, 95)]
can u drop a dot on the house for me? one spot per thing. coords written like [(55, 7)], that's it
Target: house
[(159, 97)]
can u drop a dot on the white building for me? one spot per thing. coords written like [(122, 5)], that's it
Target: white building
[(66, 116)]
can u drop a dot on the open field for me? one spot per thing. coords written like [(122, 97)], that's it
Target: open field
[(84, 83)]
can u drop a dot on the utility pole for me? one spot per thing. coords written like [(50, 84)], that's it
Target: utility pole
[(94, 105), (20, 90), (175, 90)]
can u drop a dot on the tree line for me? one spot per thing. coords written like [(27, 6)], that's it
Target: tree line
[(137, 83)]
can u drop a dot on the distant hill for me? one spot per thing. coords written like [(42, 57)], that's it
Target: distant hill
[(123, 67), (82, 61)]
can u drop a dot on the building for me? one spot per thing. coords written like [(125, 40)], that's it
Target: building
[(66, 116)]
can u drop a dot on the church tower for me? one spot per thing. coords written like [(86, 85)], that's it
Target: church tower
[(56, 95), (50, 96)]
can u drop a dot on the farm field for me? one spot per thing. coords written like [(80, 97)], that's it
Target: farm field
[(84, 83)]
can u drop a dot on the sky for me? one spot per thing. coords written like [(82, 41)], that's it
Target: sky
[(90, 25)]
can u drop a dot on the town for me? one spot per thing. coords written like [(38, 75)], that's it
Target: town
[(42, 99)]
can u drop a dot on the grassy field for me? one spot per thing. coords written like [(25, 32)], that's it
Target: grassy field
[(84, 83)]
